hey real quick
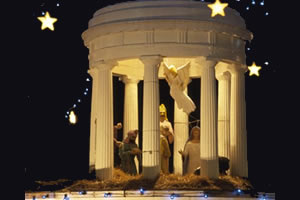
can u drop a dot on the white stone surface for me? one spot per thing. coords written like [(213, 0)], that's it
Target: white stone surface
[(238, 137), (104, 133), (151, 130), (224, 114), (131, 109), (93, 126), (208, 117), (178, 29), (131, 115), (181, 134)]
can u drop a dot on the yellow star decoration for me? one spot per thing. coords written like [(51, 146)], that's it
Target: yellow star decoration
[(254, 69), (47, 22), (217, 8)]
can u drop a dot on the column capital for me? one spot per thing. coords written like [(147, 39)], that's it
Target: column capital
[(103, 65), (205, 62), (92, 71), (151, 60), (223, 76), (237, 69), (127, 79)]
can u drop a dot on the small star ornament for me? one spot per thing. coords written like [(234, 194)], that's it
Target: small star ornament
[(47, 21), (217, 8), (254, 69)]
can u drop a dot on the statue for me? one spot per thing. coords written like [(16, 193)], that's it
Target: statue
[(127, 151), (178, 80)]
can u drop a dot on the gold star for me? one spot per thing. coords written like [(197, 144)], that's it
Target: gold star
[(47, 22), (217, 8), (254, 69)]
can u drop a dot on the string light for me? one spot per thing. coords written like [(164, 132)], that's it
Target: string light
[(172, 196), (107, 194), (66, 197), (82, 192), (142, 191)]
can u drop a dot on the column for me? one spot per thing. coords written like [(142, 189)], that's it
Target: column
[(181, 134), (131, 115), (151, 133), (94, 74), (104, 135), (208, 117), (224, 114), (238, 137)]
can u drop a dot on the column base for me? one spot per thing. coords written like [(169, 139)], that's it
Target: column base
[(104, 174), (92, 169), (92, 172), (151, 173), (210, 168)]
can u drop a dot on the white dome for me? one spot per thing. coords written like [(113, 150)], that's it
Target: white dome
[(163, 9), (175, 29)]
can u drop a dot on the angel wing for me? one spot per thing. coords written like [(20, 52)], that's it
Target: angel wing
[(184, 74), (178, 80), (168, 74)]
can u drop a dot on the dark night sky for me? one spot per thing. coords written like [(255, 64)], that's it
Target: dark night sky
[(56, 78)]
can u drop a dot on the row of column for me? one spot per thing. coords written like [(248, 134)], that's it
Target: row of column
[(227, 125)]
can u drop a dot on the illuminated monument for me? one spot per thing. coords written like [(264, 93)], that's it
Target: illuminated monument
[(132, 40)]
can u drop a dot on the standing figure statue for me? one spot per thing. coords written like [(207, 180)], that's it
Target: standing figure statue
[(190, 154), (178, 80), (127, 151), (117, 143), (166, 138)]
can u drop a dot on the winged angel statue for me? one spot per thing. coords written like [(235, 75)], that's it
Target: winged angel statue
[(178, 80)]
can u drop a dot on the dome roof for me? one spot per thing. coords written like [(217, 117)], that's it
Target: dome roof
[(143, 10)]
